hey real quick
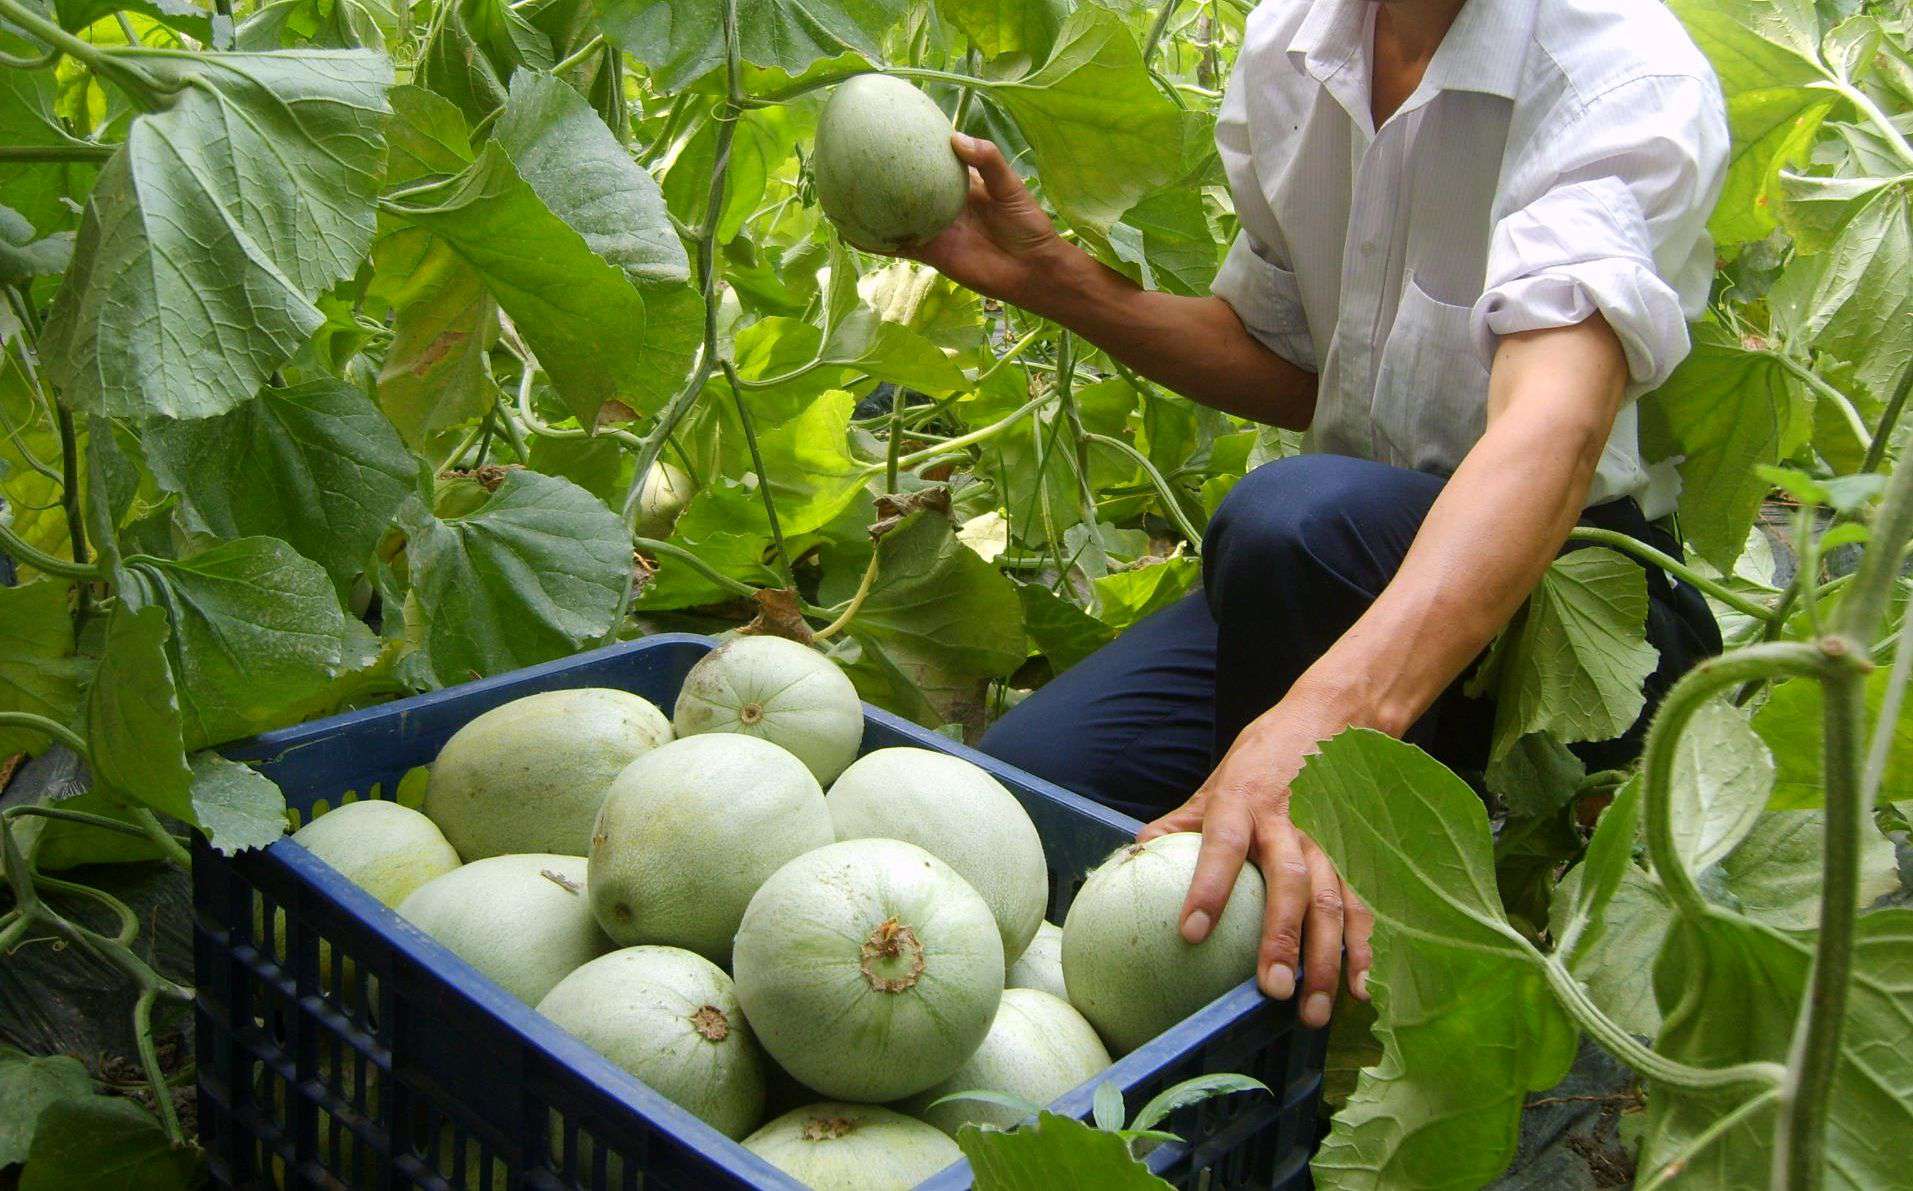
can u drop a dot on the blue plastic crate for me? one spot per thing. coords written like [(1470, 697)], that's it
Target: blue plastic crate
[(393, 1063)]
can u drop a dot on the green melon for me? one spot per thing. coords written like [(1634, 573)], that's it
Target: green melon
[(524, 921), (885, 172), (1041, 964), (1037, 1049), (853, 1147), (529, 776), (869, 969), (670, 1018), (958, 813), (1128, 968), (690, 830), (662, 499), (776, 690)]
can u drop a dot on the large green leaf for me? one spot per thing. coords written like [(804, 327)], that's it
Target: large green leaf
[(1766, 53), (236, 807), (1731, 991), (681, 40), (133, 732), (474, 48), (316, 464), (1775, 876), (105, 1143), (1102, 135), (934, 598), (28, 1083), (1619, 950), (813, 476), (213, 228), (437, 372), (1855, 301), (532, 574), (1007, 26), (256, 632), (38, 672), (1062, 631), (1722, 776), (1574, 662), (1791, 723), (1055, 1151), (1466, 1020), (1724, 411), (1166, 240), (427, 135)]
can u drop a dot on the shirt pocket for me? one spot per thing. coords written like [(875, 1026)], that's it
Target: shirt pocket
[(1431, 388)]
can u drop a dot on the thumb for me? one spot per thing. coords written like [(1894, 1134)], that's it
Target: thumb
[(983, 156)]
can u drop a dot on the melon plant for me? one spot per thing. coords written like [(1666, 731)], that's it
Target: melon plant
[(522, 920), (1037, 1049), (1128, 968), (1041, 964), (671, 1018), (885, 172), (959, 814), (690, 830), (529, 776), (869, 969), (853, 1147), (776, 690)]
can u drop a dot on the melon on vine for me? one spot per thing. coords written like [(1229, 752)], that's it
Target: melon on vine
[(671, 1018), (522, 920), (1128, 968), (886, 174), (1041, 964), (689, 831), (853, 1147), (958, 813), (869, 969), (1037, 1049), (530, 775), (661, 499), (775, 690)]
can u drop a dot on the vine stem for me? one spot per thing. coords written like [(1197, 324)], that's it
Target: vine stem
[(1889, 418), (1800, 1149), (142, 90), (763, 477), (1687, 697), (785, 94), (11, 543), (961, 441), (578, 56), (856, 602), (77, 151), (1674, 1167), (1174, 507), (1157, 28), (1643, 552), (1879, 119), (44, 726), (149, 1059), (736, 587)]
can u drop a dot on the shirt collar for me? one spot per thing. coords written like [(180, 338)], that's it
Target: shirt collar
[(1485, 49)]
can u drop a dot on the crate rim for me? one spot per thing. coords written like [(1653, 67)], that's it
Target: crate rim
[(606, 1078)]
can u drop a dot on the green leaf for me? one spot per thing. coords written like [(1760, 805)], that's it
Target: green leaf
[(1107, 1108), (1609, 858), (24, 254), (1536, 776), (1466, 1020), (38, 672), (1102, 135), (426, 136), (1722, 776), (762, 141), (1855, 301), (316, 464), (213, 228), (1619, 948), (889, 351), (813, 475), (1775, 876), (1032, 1158), (1125, 597), (237, 807), (1814, 207), (437, 373), (1791, 723), (681, 40), (64, 844), (105, 1143), (256, 632), (1007, 26), (1731, 990), (1766, 53), (1574, 662), (935, 598), (476, 46), (134, 739), (1724, 411), (1166, 238), (1063, 632), (37, 190), (532, 574), (1194, 1091), (28, 1083)]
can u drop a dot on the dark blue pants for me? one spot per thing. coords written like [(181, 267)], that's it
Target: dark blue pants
[(1294, 556)]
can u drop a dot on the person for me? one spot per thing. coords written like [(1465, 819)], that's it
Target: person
[(1471, 234)]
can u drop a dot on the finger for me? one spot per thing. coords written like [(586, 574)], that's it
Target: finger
[(1358, 926), (979, 193), (1322, 934), (983, 156), (1286, 874), (1187, 817), (1227, 830)]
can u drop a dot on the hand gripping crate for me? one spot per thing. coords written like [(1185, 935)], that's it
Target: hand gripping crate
[(338, 1045)]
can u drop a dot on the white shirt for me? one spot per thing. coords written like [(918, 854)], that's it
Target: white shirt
[(1559, 158)]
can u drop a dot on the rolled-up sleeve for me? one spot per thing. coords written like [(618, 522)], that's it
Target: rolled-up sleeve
[(1612, 220), (1255, 278)]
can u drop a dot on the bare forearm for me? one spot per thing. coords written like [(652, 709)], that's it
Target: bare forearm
[(1490, 536), (1194, 346)]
